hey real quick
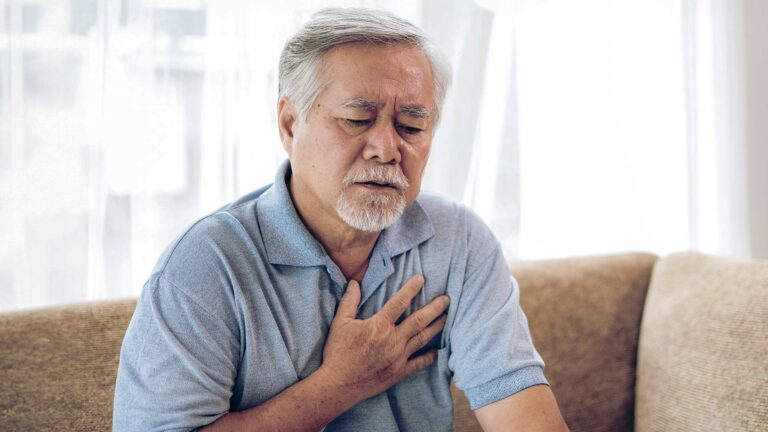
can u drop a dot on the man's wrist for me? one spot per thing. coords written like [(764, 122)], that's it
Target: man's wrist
[(329, 383)]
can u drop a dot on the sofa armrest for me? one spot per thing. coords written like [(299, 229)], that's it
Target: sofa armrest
[(703, 358)]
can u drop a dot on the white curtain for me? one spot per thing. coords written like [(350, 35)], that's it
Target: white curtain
[(727, 100), (123, 121), (640, 126), (572, 127), (602, 127)]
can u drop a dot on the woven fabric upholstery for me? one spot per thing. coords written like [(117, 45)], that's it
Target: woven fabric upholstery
[(703, 360), (584, 315), (58, 366), (464, 419)]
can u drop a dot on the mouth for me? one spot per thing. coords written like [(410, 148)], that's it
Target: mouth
[(376, 184)]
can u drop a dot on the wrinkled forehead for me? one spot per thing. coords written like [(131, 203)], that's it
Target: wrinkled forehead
[(371, 77)]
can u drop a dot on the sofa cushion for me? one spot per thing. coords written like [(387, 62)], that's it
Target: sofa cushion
[(584, 316), (703, 359), (58, 366)]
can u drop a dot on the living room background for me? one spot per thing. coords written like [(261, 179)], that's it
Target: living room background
[(572, 128)]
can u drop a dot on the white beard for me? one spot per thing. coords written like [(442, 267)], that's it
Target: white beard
[(372, 211), (376, 212)]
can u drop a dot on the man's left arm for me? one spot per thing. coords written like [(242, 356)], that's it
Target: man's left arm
[(532, 410), (491, 352)]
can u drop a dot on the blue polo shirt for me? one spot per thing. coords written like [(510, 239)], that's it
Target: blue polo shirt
[(239, 306)]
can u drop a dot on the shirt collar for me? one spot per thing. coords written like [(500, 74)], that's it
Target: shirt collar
[(288, 242), (410, 230)]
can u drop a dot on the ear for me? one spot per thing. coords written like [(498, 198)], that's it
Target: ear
[(287, 120)]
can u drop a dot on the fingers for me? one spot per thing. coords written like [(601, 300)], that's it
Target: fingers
[(350, 301), (421, 362), (420, 319), (399, 302), (420, 339)]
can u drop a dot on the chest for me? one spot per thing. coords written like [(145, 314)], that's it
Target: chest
[(287, 317)]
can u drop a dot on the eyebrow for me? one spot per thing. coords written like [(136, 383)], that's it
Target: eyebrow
[(417, 111), (360, 103)]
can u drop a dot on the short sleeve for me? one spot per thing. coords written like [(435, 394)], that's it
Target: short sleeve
[(491, 351), (178, 363)]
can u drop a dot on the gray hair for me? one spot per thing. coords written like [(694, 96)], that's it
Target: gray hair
[(301, 59)]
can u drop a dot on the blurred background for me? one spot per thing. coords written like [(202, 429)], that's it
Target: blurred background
[(572, 128)]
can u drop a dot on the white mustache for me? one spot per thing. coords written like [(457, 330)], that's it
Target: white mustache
[(379, 174)]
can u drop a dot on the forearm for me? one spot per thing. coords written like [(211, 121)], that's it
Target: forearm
[(533, 409), (308, 405)]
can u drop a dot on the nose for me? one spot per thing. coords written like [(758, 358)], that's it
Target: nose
[(383, 143)]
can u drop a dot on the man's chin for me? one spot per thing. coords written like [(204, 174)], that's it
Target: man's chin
[(373, 216)]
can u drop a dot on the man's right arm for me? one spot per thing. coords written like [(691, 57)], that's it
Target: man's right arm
[(361, 358), (309, 404)]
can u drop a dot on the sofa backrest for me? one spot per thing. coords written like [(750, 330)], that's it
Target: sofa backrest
[(584, 315), (58, 366)]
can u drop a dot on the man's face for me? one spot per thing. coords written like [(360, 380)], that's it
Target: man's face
[(361, 152)]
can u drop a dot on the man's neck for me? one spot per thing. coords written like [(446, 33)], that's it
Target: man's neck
[(348, 247), (350, 253)]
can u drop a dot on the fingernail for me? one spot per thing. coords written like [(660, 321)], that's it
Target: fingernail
[(446, 300)]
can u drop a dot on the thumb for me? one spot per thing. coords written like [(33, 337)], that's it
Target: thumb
[(350, 301)]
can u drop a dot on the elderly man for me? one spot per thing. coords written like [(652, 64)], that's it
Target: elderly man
[(337, 297)]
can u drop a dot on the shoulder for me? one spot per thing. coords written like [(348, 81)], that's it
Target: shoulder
[(456, 219), (214, 247)]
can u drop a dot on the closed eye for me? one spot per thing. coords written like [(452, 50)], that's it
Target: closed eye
[(358, 123), (409, 130)]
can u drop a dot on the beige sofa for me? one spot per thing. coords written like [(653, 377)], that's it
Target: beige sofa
[(631, 342)]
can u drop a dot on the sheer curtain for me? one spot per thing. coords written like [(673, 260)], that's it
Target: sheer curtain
[(637, 125), (572, 127), (123, 121), (602, 127), (727, 99)]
